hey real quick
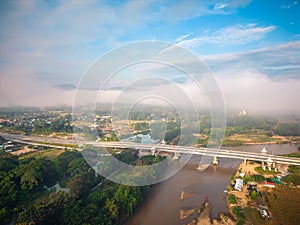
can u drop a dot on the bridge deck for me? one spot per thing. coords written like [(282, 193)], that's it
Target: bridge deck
[(221, 153)]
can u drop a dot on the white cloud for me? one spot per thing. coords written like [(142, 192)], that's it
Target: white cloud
[(288, 6), (232, 35), (180, 38), (220, 6), (29, 90), (38, 39), (255, 92), (277, 62)]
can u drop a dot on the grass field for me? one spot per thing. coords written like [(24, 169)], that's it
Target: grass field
[(260, 170), (284, 203), (254, 217), (48, 153), (254, 138), (59, 144)]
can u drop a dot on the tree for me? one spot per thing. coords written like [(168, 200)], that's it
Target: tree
[(46, 211), (112, 208), (37, 172), (81, 183), (257, 178), (8, 163), (232, 199), (31, 178), (63, 160), (76, 166), (8, 195), (254, 194)]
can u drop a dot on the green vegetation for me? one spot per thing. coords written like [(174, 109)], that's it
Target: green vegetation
[(60, 144), (253, 216), (232, 199), (240, 130), (127, 156), (254, 194), (49, 153), (90, 199), (141, 126), (256, 178), (239, 213), (232, 142), (229, 188), (284, 203), (34, 121), (260, 170), (293, 154), (292, 179), (288, 129), (258, 129), (294, 169), (151, 159)]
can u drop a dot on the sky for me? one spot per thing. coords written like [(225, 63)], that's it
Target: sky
[(252, 48)]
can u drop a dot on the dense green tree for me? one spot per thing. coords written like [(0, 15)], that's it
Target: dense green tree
[(77, 165), (257, 178), (254, 194), (7, 164), (87, 202), (81, 183), (8, 195), (127, 156), (36, 173), (63, 160)]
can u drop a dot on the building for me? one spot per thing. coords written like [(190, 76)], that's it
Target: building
[(238, 184), (270, 184)]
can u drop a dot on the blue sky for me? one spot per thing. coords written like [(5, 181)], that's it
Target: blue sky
[(48, 43)]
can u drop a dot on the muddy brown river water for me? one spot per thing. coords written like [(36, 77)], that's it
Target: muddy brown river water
[(162, 205)]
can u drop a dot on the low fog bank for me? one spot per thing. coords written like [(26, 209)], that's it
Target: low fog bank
[(254, 93)]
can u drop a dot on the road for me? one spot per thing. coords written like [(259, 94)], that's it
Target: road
[(213, 152)]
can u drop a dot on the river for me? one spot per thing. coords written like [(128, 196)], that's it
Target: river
[(162, 205)]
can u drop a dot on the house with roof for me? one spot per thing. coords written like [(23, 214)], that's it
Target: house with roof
[(238, 184), (270, 184)]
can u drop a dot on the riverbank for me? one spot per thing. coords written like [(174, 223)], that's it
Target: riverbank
[(258, 139), (187, 189), (263, 199), (204, 216)]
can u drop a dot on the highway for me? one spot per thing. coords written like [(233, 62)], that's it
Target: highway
[(213, 152)]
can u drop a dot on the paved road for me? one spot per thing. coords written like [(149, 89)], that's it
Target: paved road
[(220, 153)]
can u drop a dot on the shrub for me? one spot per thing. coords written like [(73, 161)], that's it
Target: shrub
[(229, 188), (232, 199), (254, 194), (238, 212), (292, 178), (257, 178)]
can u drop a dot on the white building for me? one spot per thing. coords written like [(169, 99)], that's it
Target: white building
[(238, 184)]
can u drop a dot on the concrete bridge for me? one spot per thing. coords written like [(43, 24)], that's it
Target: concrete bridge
[(269, 161)]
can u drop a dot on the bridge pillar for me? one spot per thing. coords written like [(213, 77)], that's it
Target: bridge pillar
[(263, 165), (176, 156), (153, 150), (245, 162), (270, 163), (216, 160), (274, 167)]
